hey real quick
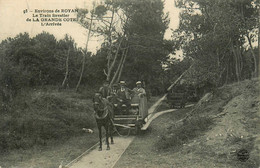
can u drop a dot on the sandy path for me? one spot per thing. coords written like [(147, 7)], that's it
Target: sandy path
[(104, 158), (155, 115)]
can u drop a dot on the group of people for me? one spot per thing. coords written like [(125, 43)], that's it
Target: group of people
[(122, 95)]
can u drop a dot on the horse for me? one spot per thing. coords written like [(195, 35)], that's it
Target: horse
[(103, 115)]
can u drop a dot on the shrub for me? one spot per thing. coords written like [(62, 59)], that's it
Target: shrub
[(190, 129), (38, 118)]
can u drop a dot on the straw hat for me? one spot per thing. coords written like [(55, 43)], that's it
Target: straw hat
[(122, 83)]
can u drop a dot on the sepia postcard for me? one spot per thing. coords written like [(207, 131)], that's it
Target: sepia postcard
[(129, 83)]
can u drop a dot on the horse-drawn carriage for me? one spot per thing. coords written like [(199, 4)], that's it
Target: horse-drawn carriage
[(177, 97), (133, 116)]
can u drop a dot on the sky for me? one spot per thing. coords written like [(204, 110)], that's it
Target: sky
[(13, 16)]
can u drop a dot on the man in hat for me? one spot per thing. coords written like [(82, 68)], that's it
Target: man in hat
[(113, 95), (114, 89), (105, 90), (123, 95)]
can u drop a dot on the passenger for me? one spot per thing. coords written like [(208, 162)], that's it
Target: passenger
[(138, 90), (114, 89), (140, 98), (113, 95), (105, 90), (123, 95)]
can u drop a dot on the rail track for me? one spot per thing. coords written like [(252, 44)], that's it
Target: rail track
[(126, 140)]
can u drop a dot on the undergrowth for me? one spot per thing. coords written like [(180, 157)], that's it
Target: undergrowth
[(176, 137), (38, 117)]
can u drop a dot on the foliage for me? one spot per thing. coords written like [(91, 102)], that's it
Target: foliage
[(39, 117), (134, 48), (37, 61), (30, 114), (216, 35), (145, 32)]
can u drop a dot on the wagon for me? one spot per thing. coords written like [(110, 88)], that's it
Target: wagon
[(134, 117), (177, 97)]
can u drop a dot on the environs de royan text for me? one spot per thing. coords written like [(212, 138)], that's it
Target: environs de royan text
[(52, 11)]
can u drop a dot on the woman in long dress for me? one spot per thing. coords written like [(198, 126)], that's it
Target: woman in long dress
[(140, 98)]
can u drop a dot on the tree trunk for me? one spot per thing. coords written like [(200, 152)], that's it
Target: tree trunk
[(220, 77), (67, 69), (110, 47), (258, 42), (237, 68), (240, 61), (114, 60), (255, 73), (226, 82), (122, 66), (84, 55), (118, 69)]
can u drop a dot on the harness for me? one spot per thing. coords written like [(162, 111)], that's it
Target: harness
[(105, 111), (104, 114)]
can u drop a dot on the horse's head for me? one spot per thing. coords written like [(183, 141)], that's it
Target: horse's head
[(97, 102)]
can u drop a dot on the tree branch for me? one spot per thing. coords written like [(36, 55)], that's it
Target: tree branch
[(105, 72)]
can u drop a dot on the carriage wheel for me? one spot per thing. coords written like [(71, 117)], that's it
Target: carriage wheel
[(172, 106), (137, 130), (182, 105), (123, 131)]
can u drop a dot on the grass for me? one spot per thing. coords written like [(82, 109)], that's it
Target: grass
[(50, 156), (43, 128), (175, 137), (200, 140), (39, 120)]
